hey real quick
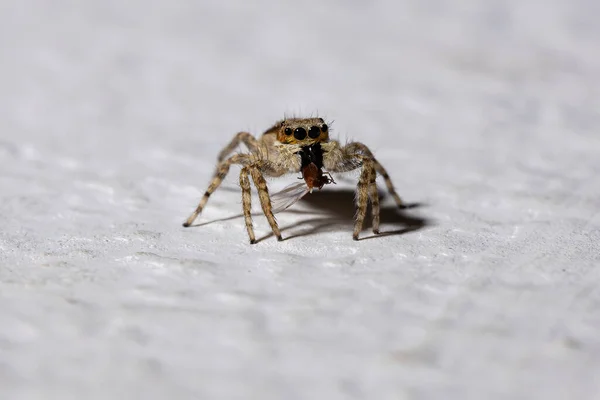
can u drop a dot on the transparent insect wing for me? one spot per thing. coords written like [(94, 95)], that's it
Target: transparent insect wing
[(288, 196)]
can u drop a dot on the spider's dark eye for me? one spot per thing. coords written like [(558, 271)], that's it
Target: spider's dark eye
[(314, 132), (324, 127), (300, 133), (288, 131)]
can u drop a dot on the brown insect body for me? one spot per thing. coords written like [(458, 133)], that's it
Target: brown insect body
[(311, 157), (314, 177)]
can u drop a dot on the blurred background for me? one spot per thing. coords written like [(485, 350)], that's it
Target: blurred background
[(92, 72)]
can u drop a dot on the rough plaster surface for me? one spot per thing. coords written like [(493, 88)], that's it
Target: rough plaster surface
[(484, 113)]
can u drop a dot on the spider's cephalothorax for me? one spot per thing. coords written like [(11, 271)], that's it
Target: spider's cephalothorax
[(298, 145)]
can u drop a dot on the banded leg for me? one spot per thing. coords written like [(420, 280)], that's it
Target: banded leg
[(250, 141), (265, 200), (221, 173), (388, 184), (374, 195), (351, 157), (247, 203), (356, 147), (362, 198)]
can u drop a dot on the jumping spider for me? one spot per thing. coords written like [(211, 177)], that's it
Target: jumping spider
[(298, 145)]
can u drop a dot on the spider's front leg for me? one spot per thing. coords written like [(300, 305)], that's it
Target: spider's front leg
[(359, 148), (265, 200), (247, 203), (365, 189), (263, 195), (352, 156)]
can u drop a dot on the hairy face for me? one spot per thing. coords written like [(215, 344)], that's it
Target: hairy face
[(303, 131)]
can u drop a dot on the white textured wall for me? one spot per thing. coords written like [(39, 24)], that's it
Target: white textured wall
[(486, 113)]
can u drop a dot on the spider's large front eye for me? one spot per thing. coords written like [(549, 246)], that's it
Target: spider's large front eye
[(288, 131), (314, 132), (324, 127), (300, 133)]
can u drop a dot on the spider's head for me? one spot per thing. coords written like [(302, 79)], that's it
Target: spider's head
[(303, 131)]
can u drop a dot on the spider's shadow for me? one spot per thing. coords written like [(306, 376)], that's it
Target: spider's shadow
[(334, 210)]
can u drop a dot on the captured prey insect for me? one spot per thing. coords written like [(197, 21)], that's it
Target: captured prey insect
[(312, 173), (298, 145)]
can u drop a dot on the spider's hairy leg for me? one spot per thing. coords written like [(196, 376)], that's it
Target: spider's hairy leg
[(374, 195), (265, 199), (357, 147), (362, 197), (242, 137), (247, 203), (347, 158), (221, 173)]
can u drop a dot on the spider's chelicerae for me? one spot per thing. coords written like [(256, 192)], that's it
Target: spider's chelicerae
[(298, 145)]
